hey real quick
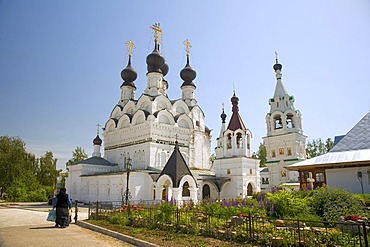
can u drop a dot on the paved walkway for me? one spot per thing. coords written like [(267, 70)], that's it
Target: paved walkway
[(25, 224)]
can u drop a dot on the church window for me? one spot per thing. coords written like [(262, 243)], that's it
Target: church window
[(278, 122), (277, 104), (239, 140), (281, 151), (228, 172), (108, 191), (289, 121), (273, 154), (185, 189), (289, 151), (250, 171), (197, 123), (228, 141)]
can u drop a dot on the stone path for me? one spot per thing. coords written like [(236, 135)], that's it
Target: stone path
[(25, 225)]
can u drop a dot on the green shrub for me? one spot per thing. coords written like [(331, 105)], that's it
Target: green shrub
[(285, 204), (331, 203)]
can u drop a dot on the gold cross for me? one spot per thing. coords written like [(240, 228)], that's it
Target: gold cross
[(157, 32), (98, 127), (188, 46), (130, 46)]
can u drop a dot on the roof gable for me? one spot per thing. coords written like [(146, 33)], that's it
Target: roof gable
[(357, 138), (176, 167)]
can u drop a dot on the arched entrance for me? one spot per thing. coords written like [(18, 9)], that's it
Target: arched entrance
[(249, 190), (206, 192)]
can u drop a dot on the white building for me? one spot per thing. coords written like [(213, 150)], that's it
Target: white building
[(167, 143), (285, 143), (346, 165)]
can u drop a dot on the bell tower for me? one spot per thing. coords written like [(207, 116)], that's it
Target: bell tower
[(285, 143)]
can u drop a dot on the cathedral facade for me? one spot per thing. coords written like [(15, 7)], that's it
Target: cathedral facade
[(164, 145), (157, 148)]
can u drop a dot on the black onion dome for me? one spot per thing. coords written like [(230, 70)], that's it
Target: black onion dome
[(188, 74), (164, 69), (223, 116), (97, 141), (128, 74), (234, 99), (277, 66), (155, 61)]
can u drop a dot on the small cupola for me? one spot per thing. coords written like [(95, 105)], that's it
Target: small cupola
[(155, 61), (129, 74), (188, 74)]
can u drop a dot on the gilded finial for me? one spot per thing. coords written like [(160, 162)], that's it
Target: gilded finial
[(188, 46), (97, 128), (130, 46), (276, 56), (157, 32)]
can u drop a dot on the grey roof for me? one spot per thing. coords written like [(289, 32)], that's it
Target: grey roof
[(99, 161), (265, 169), (357, 138), (176, 167), (352, 149)]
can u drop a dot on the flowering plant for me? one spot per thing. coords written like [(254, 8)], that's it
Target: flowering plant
[(352, 217)]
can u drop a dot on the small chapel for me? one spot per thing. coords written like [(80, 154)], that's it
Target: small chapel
[(157, 148)]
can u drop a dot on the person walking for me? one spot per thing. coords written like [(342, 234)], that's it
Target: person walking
[(62, 203)]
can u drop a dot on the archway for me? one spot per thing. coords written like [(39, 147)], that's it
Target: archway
[(206, 192), (249, 190)]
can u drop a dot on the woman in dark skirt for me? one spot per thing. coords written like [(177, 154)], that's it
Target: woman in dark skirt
[(62, 204)]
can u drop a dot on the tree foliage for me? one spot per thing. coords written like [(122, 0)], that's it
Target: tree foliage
[(77, 155), (318, 147), (261, 155), (23, 177)]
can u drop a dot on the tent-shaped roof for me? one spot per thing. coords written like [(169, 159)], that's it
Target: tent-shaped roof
[(176, 167)]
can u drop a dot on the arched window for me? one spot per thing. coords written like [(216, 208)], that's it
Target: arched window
[(228, 145), (289, 121), (206, 191), (239, 140), (185, 189), (277, 122), (249, 190)]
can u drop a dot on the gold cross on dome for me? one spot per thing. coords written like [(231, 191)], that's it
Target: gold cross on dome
[(157, 32), (98, 127), (130, 46), (188, 46)]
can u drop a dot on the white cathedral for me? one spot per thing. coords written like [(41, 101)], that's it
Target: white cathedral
[(160, 148)]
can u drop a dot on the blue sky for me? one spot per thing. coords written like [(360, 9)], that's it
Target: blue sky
[(60, 63)]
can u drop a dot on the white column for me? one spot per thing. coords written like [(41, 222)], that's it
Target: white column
[(194, 194)]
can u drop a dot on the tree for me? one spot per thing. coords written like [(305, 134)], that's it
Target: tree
[(22, 176), (14, 160), (77, 155), (318, 147), (261, 154), (47, 172)]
